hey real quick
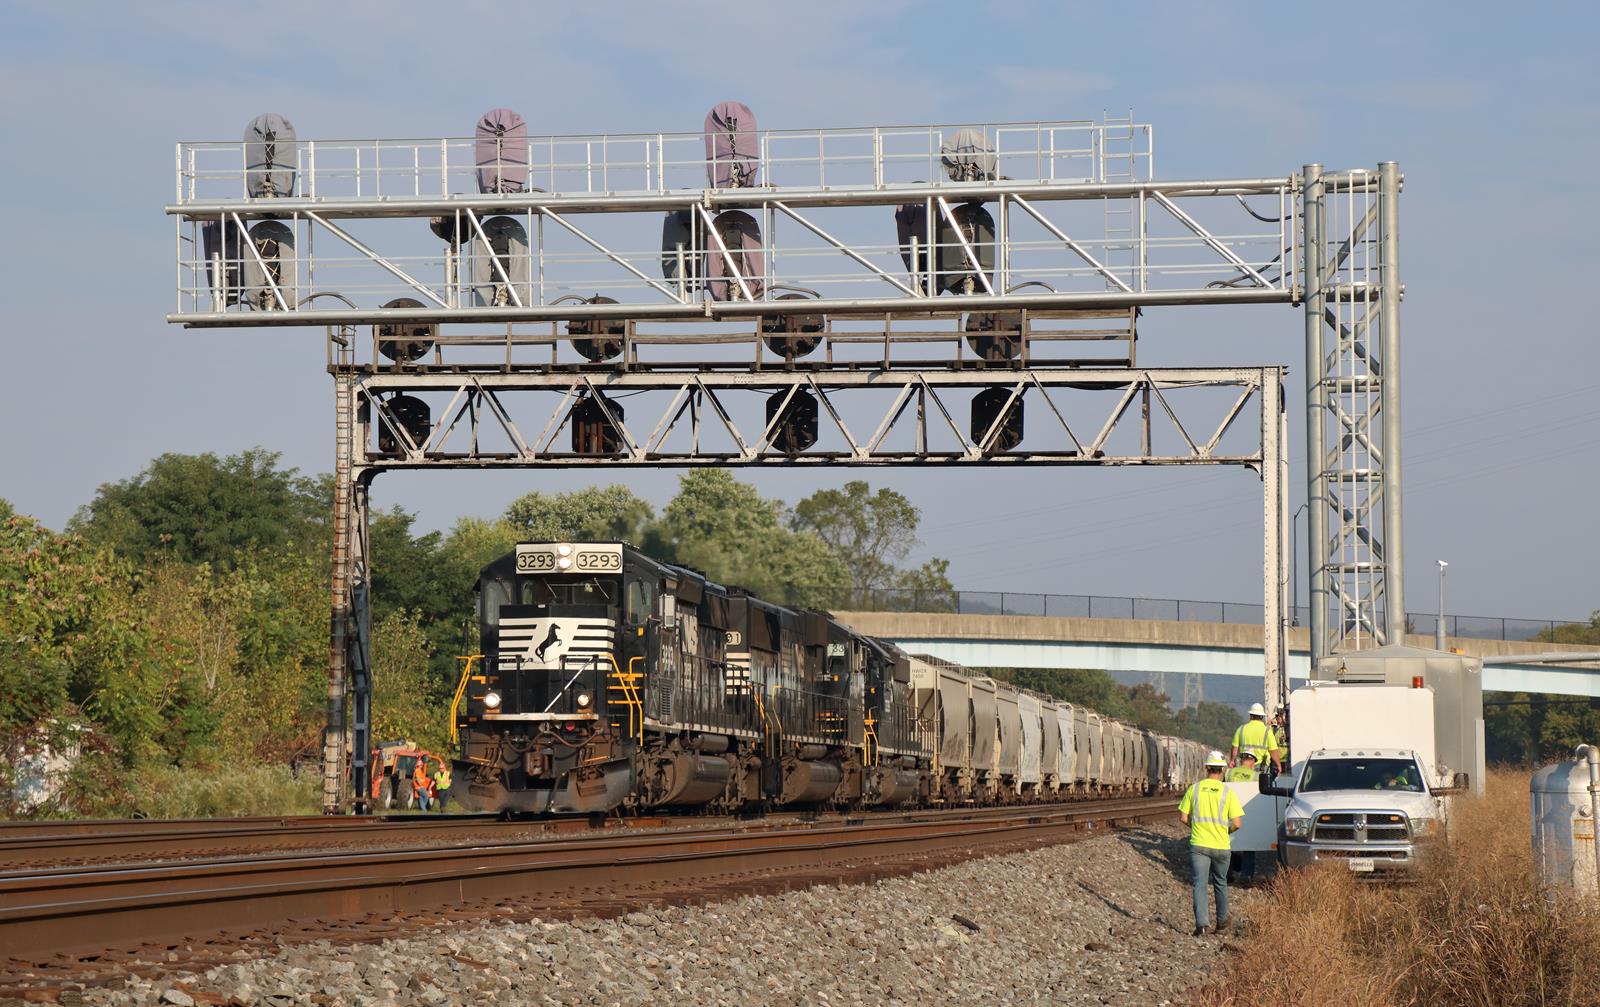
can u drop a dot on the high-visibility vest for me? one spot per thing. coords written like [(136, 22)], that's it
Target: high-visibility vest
[(441, 779), (1241, 774), (1211, 806), (1256, 737)]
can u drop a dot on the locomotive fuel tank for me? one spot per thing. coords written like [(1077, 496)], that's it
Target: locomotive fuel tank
[(681, 776), (892, 783), (807, 781)]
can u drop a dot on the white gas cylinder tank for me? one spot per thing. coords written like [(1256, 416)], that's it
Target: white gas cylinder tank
[(1562, 813)]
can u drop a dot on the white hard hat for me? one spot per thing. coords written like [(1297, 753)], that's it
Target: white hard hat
[(1257, 710), (1215, 760)]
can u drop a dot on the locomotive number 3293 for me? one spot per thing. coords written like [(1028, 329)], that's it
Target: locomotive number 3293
[(535, 562)]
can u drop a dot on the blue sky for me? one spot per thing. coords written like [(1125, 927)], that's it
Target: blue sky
[(1490, 111)]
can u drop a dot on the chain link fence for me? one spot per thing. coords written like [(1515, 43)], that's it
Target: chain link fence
[(1096, 606)]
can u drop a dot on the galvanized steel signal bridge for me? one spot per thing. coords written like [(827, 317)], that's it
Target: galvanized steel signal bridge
[(859, 296)]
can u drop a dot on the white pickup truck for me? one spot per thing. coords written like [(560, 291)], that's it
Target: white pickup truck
[(1363, 788), (1366, 809)]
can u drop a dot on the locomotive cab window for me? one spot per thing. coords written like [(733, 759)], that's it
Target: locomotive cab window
[(641, 602), (492, 595)]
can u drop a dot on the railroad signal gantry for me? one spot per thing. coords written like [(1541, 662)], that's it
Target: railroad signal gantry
[(858, 296)]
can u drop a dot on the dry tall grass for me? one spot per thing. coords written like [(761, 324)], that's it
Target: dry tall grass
[(1475, 929)]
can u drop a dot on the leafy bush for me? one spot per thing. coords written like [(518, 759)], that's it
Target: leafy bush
[(224, 792)]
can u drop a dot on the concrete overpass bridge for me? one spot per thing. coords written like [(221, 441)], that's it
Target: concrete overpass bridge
[(1155, 647)]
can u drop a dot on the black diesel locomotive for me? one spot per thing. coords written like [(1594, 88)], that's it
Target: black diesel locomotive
[(611, 681)]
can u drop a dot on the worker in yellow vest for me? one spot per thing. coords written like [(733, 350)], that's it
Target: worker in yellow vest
[(1242, 865), (441, 784), (1212, 813), (1255, 736), (1245, 771)]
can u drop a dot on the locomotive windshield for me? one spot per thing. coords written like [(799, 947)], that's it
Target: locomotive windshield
[(566, 591)]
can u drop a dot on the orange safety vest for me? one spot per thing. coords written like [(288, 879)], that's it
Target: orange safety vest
[(419, 776)]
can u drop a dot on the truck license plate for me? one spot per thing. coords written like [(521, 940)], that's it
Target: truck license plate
[(1361, 865)]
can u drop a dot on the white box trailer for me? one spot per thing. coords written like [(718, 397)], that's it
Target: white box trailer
[(1333, 715)]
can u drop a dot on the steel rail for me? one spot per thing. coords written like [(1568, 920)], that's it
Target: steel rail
[(40, 844), (44, 912)]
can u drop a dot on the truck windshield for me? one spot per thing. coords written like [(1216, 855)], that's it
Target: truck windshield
[(1362, 774)]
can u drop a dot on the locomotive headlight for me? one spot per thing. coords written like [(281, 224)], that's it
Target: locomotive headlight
[(563, 550), (584, 699), (564, 562), (491, 700)]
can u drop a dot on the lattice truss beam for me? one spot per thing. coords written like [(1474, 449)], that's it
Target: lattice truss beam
[(850, 227), (1107, 417)]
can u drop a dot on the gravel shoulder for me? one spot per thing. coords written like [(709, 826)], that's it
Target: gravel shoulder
[(1101, 921)]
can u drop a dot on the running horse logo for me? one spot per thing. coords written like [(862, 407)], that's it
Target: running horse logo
[(550, 640)]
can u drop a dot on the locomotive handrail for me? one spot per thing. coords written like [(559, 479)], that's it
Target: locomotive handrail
[(461, 689), (627, 682)]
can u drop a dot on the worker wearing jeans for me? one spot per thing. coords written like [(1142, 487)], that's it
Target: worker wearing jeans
[(1212, 812)]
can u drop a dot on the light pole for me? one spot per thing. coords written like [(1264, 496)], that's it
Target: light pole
[(1294, 583), (1438, 627)]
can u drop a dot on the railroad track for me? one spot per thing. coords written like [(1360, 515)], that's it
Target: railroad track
[(25, 844), (85, 842), (48, 911)]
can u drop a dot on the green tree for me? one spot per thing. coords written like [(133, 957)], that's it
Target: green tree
[(599, 513), (927, 588), (406, 699), (1152, 709), (78, 666), (1080, 686), (725, 528), (1531, 728), (1209, 723), (1581, 632), (282, 625), (413, 573), (6, 510), (406, 568), (872, 532), (205, 509)]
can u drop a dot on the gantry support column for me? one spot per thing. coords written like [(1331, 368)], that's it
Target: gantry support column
[(1389, 291), (1273, 470), (1316, 411), (359, 660), (346, 741), (333, 735)]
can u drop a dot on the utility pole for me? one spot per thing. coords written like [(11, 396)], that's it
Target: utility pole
[(1438, 627)]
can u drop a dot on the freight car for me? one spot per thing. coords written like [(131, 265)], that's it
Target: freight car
[(612, 681)]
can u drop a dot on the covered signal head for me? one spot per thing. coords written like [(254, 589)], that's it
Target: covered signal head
[(500, 147), (795, 335), (403, 342), (733, 153), (793, 426), (597, 338), (270, 155), (995, 336), (593, 432), (402, 413), (991, 413)]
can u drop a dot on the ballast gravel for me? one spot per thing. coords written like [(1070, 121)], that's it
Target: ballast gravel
[(1102, 921)]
